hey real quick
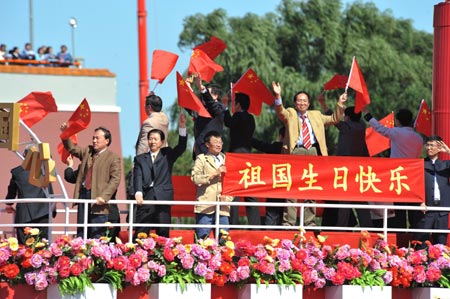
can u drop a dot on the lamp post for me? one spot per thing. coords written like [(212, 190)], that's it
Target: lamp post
[(73, 25)]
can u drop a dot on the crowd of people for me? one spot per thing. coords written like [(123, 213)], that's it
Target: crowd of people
[(43, 54), (302, 132)]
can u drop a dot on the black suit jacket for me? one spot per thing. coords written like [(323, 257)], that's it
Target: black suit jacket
[(442, 175), (159, 172), (20, 187), (242, 126)]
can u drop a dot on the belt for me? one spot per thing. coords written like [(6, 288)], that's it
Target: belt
[(301, 145)]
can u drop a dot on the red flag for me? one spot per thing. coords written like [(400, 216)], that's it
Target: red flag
[(376, 143), (79, 120), (213, 47), (163, 63), (63, 153), (423, 119), (35, 106), (201, 64), (258, 92), (338, 81), (357, 83), (187, 99)]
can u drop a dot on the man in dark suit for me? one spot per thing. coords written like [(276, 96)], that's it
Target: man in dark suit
[(98, 177), (437, 193), (36, 212), (273, 214), (242, 127), (152, 177), (210, 97)]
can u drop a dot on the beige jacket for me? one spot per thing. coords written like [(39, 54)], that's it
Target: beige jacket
[(208, 190), (156, 120), (318, 121)]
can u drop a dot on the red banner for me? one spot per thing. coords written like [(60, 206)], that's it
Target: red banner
[(324, 178)]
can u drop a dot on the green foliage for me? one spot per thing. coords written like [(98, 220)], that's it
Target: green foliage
[(74, 284), (370, 278), (304, 43)]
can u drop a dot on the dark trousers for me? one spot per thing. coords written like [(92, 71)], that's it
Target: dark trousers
[(274, 215), (153, 214), (431, 220), (253, 215), (21, 237)]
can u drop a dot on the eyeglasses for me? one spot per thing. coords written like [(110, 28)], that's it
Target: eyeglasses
[(216, 143), (430, 145)]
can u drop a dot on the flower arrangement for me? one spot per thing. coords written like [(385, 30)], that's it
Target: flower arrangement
[(74, 264)]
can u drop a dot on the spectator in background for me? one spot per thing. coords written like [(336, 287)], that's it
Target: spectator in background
[(242, 127), (70, 175), (14, 53), (207, 176), (29, 213), (437, 194), (156, 120), (3, 52), (28, 53), (405, 143), (152, 176), (63, 56), (41, 53), (274, 215), (49, 55)]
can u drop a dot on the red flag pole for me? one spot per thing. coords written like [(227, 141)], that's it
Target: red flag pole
[(143, 62)]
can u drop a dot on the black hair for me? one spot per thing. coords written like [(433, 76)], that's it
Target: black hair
[(106, 132), (211, 134), (433, 138), (302, 91), (155, 102), (216, 90), (350, 112), (157, 131), (405, 117), (243, 99)]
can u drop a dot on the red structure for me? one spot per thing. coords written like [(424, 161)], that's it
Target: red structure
[(441, 72), (143, 62)]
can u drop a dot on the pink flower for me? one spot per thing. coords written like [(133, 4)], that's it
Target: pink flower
[(243, 272), (187, 261)]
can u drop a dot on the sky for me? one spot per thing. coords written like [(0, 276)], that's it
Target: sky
[(106, 37)]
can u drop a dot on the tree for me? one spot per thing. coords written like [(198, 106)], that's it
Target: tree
[(304, 43)]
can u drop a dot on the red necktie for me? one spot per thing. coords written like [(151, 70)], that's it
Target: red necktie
[(305, 133)]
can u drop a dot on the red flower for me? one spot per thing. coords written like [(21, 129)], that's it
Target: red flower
[(28, 253), (135, 260), (301, 254), (120, 263), (244, 262), (64, 262), (296, 265), (169, 255), (338, 279), (129, 273), (433, 274), (434, 252), (76, 269), (26, 263), (11, 271), (64, 272), (226, 268)]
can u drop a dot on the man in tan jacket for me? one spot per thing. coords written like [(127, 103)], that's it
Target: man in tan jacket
[(207, 177), (98, 177), (305, 135)]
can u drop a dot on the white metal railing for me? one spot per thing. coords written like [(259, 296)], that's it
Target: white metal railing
[(66, 225)]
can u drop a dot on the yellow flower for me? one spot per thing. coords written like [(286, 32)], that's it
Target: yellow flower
[(229, 244), (321, 238), (188, 248), (269, 258), (142, 235), (40, 244), (118, 241), (13, 243), (34, 231), (29, 241), (208, 242)]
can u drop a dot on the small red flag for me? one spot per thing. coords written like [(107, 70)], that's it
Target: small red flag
[(63, 153), (213, 47), (251, 85), (187, 99), (163, 63), (79, 120), (35, 106), (376, 143), (423, 119), (357, 83), (201, 64), (338, 81)]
